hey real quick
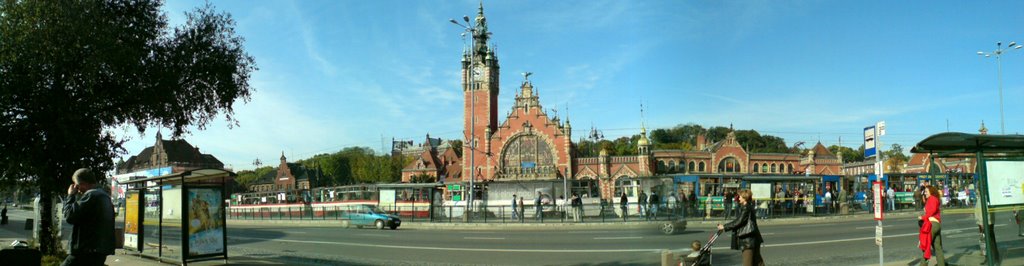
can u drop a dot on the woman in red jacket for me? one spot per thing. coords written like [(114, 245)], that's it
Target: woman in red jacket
[(930, 237)]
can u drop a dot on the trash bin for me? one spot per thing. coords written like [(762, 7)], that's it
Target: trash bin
[(118, 237), (21, 256)]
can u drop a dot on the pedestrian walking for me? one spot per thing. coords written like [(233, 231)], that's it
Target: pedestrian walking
[(579, 207), (642, 204), (918, 198), (91, 213), (575, 207), (539, 213), (672, 204), (1018, 216), (652, 208), (930, 235), (828, 202), (624, 205), (707, 207), (745, 231), (515, 209), (728, 204), (522, 209), (978, 218), (890, 195)]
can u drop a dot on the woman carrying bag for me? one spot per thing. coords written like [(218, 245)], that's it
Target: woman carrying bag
[(745, 232)]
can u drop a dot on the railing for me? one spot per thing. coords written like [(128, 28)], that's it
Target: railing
[(588, 213)]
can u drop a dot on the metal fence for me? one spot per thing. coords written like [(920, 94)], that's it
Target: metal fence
[(781, 208)]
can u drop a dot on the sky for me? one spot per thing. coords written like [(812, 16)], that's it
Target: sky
[(337, 74)]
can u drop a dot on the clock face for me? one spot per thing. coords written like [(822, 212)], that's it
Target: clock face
[(478, 73)]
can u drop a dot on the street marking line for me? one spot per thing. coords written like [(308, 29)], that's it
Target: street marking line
[(868, 227), (618, 237), (586, 232), (484, 238), (373, 235), (295, 232)]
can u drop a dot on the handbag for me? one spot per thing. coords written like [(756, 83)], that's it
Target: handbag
[(748, 227)]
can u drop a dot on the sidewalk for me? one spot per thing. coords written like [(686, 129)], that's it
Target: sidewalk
[(1013, 255)]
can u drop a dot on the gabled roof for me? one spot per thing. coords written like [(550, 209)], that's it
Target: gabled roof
[(820, 152)]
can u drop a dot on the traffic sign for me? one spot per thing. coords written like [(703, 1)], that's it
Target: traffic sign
[(878, 236), (881, 128), (869, 142)]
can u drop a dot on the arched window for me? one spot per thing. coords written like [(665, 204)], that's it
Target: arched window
[(729, 165), (661, 167), (671, 166), (527, 156), (764, 168), (701, 167), (692, 166), (756, 168), (773, 168), (790, 168)]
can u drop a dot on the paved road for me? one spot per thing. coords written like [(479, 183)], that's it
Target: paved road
[(820, 242), (833, 241)]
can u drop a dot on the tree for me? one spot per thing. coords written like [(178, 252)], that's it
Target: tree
[(72, 70), (894, 158), (849, 154)]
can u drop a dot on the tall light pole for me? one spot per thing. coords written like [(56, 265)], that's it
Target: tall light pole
[(999, 65), (470, 140)]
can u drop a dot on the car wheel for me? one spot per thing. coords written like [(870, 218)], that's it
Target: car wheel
[(379, 224), (394, 227), (668, 228)]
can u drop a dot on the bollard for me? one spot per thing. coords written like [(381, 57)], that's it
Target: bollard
[(667, 258)]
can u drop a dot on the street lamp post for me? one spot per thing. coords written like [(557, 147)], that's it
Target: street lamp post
[(470, 140), (999, 66)]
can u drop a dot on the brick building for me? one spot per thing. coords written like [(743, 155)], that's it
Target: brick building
[(434, 158), (177, 154), (286, 177), (532, 146)]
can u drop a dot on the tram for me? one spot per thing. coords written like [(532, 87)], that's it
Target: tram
[(404, 200)]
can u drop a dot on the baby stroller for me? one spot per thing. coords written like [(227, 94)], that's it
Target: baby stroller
[(703, 256)]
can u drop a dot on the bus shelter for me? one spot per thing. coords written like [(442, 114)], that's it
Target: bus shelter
[(1000, 162), (179, 217)]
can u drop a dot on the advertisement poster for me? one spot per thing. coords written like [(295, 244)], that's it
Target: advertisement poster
[(205, 227), (131, 220), (1005, 182)]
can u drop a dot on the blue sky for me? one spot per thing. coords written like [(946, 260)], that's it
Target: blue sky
[(335, 74)]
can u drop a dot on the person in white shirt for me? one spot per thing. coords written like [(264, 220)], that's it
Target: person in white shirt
[(890, 196)]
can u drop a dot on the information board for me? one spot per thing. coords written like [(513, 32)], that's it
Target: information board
[(1005, 182), (876, 190), (761, 191)]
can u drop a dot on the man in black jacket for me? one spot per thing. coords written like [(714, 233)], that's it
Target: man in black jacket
[(88, 208)]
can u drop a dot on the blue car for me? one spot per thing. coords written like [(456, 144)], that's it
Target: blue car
[(370, 215)]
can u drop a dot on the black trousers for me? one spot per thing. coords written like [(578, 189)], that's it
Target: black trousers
[(88, 259)]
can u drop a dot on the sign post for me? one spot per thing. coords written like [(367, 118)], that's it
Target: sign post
[(871, 135)]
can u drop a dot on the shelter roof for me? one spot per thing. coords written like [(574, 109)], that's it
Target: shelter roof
[(955, 142)]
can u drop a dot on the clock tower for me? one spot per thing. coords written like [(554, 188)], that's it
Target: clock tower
[(480, 95)]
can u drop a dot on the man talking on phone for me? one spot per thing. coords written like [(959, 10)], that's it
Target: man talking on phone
[(88, 208)]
